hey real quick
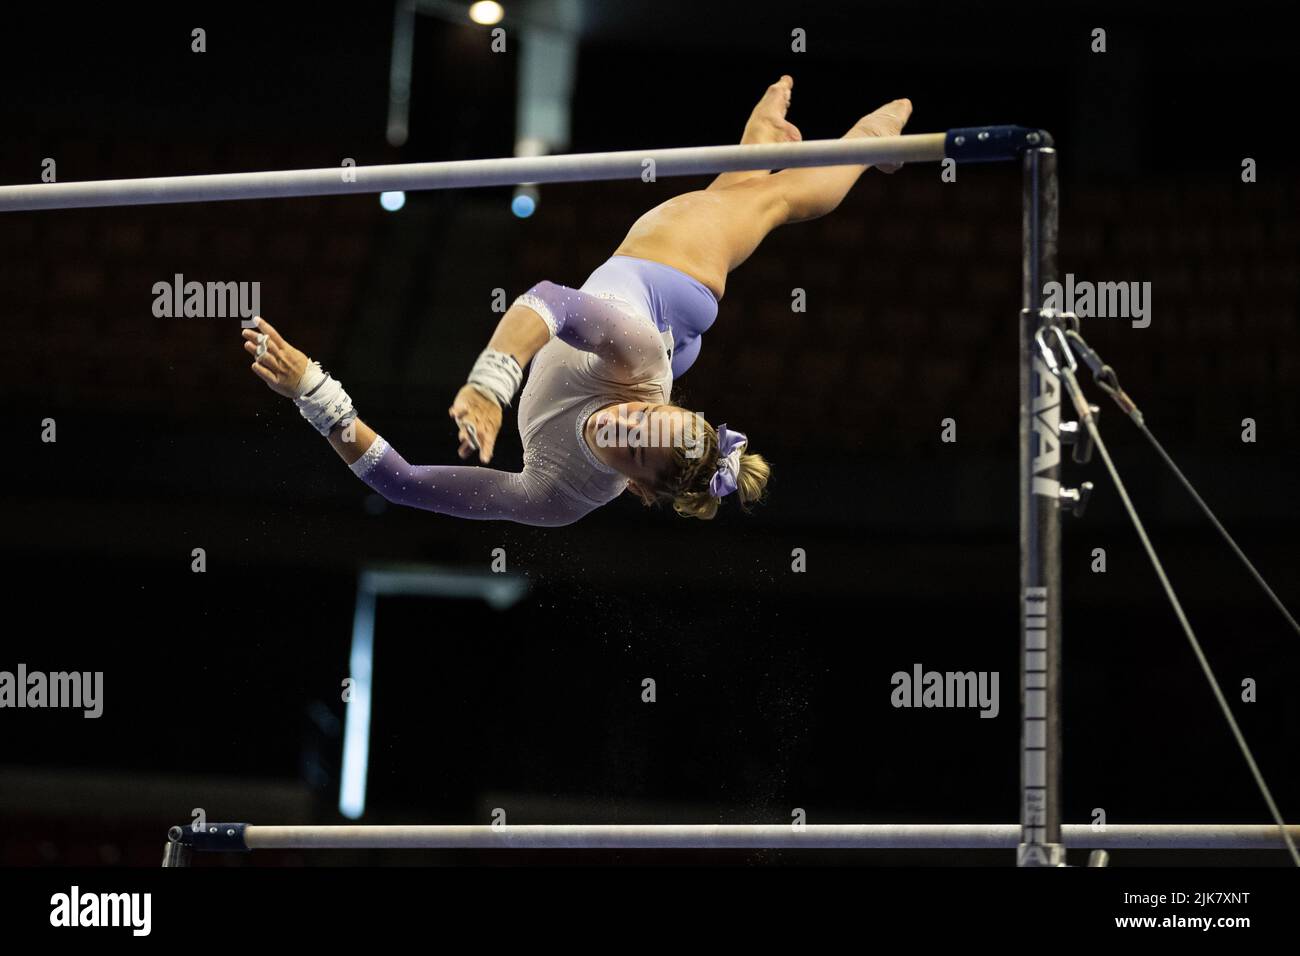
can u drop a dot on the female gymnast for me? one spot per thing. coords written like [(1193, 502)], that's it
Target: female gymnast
[(595, 418)]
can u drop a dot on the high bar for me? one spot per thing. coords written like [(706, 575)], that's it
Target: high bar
[(932, 836), (975, 144)]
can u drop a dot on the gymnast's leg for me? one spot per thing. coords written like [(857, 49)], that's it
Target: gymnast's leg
[(708, 233), (766, 124)]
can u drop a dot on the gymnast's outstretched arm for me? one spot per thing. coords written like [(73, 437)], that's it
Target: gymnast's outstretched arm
[(620, 344), (461, 491)]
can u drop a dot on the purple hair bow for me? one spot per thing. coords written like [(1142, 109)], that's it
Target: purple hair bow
[(726, 478)]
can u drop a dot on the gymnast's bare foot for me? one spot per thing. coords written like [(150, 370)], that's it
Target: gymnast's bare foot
[(767, 123), (889, 120)]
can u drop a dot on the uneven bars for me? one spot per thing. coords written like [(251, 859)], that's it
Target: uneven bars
[(934, 836), (976, 144)]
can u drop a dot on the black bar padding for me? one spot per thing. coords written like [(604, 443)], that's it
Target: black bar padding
[(215, 836)]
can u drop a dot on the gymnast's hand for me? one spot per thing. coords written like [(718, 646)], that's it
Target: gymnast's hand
[(276, 362), (472, 407)]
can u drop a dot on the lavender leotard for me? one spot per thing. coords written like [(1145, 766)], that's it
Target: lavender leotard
[(622, 337), (676, 302)]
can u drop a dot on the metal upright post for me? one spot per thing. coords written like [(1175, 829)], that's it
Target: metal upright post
[(177, 851), (1040, 532)]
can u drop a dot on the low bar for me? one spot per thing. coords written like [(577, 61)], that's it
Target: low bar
[(575, 167), (933, 836)]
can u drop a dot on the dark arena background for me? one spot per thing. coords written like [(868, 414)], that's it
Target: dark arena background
[(279, 645)]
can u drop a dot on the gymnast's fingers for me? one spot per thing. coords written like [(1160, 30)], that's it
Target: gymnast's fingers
[(466, 445), (262, 357), (259, 344), (271, 360), (264, 326), (487, 441), (265, 375)]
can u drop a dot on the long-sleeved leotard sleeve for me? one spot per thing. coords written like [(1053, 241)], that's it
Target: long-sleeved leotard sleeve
[(625, 348), (626, 345), (461, 491)]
